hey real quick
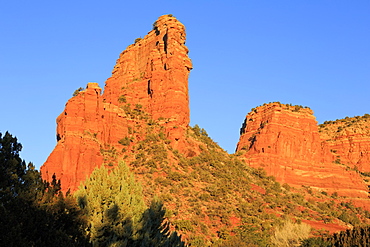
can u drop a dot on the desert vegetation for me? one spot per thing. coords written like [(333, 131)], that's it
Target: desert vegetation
[(156, 194)]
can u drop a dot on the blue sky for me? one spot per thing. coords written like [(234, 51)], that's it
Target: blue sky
[(245, 53)]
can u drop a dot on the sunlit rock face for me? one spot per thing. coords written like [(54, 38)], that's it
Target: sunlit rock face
[(150, 76), (349, 141), (286, 142)]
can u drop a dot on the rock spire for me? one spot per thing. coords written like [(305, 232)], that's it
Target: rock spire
[(150, 76)]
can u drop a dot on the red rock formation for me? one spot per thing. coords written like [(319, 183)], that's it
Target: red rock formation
[(77, 130), (349, 140), (153, 72), (285, 141), (150, 75)]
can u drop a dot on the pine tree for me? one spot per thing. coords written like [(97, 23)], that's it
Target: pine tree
[(113, 204), (117, 215), (156, 230), (12, 167), (32, 212)]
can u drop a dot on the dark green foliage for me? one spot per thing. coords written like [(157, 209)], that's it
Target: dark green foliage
[(366, 174), (122, 98), (235, 241), (184, 225), (53, 224), (358, 236), (77, 91), (12, 167), (316, 242), (252, 235), (125, 141), (33, 213), (337, 161), (202, 135), (156, 231)]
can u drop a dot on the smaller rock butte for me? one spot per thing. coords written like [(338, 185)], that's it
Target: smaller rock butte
[(151, 75), (285, 141), (349, 140)]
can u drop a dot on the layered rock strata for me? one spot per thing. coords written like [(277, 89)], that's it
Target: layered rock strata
[(285, 141), (149, 80), (349, 141)]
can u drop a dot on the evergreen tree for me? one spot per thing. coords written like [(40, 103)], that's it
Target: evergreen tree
[(33, 213), (113, 205), (116, 212), (12, 167), (156, 230), (358, 236), (316, 242)]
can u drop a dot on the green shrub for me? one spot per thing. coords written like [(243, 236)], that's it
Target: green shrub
[(125, 141), (184, 225), (122, 99), (77, 91), (137, 40)]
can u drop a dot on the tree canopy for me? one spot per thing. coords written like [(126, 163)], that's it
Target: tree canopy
[(33, 212), (116, 212)]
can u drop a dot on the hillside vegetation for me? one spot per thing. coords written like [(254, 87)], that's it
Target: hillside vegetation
[(209, 197)]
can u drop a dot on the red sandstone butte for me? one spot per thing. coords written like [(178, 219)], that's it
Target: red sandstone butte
[(153, 74), (285, 141)]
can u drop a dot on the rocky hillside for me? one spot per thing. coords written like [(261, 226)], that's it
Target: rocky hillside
[(349, 141), (284, 167)]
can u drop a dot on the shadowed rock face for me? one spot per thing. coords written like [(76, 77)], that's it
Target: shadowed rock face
[(150, 76), (286, 142)]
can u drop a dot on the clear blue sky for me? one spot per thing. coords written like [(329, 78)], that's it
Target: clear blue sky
[(245, 53)]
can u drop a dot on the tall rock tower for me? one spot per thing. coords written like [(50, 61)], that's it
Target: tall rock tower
[(150, 76)]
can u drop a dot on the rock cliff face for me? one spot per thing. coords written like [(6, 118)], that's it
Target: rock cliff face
[(349, 140), (285, 141), (149, 81), (79, 134), (153, 73)]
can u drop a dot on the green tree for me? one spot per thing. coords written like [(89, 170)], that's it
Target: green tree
[(156, 230), (316, 242), (113, 205), (358, 236), (116, 212), (12, 167), (32, 212)]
